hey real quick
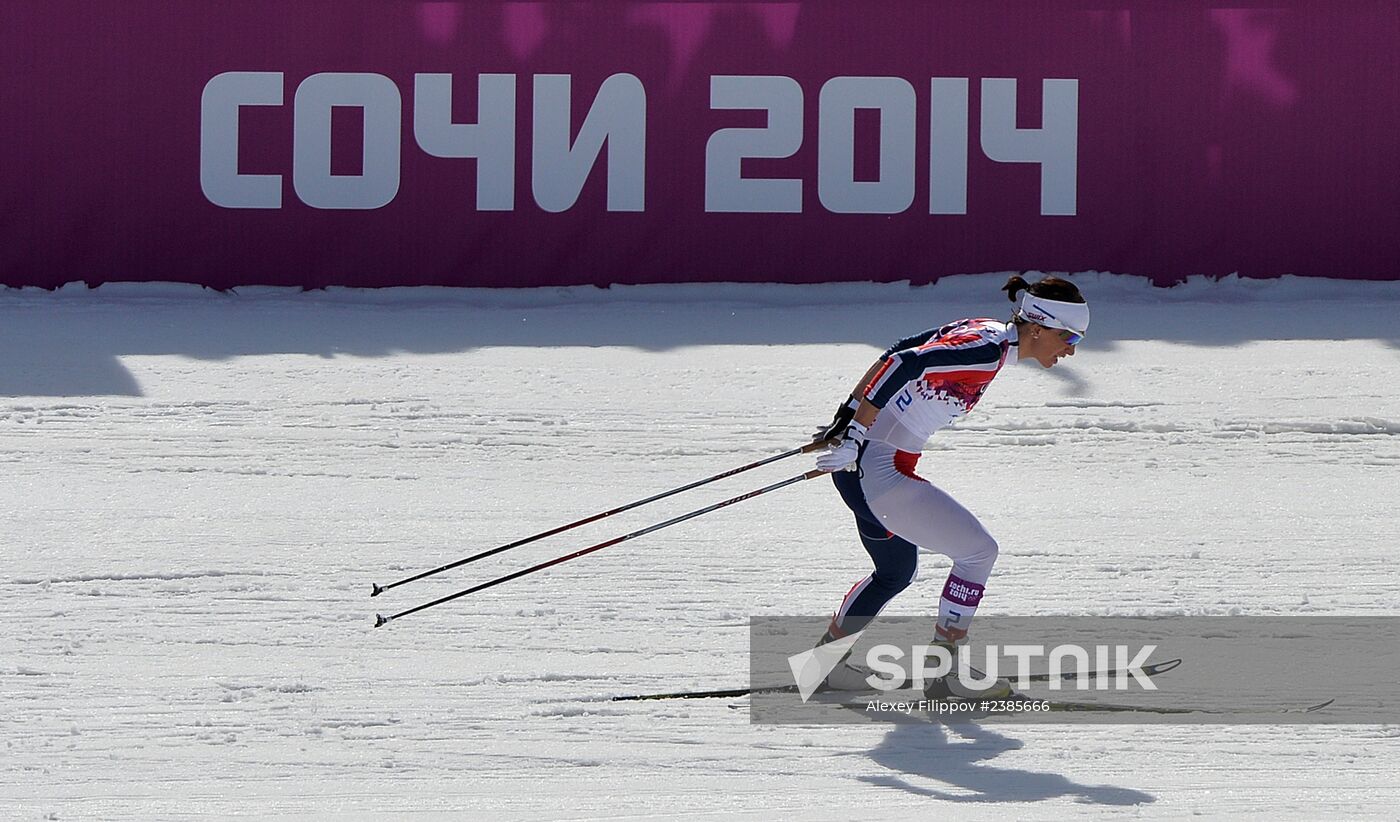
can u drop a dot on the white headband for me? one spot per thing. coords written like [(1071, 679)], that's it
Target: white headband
[(1053, 313)]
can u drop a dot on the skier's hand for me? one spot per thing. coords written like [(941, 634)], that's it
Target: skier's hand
[(843, 455), (837, 426)]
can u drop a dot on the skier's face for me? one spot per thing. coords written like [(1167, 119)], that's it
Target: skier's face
[(1046, 345)]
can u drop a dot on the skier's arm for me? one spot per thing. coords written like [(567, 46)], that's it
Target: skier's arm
[(854, 408), (859, 390), (865, 415), (845, 446)]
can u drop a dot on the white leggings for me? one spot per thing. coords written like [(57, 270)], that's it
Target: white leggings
[(924, 514), (897, 512)]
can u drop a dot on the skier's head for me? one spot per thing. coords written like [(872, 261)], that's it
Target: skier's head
[(1051, 318)]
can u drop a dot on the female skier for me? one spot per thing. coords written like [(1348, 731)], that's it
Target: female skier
[(918, 386)]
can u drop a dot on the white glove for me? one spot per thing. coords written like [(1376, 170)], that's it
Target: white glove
[(842, 456)]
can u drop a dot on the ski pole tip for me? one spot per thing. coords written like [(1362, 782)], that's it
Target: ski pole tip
[(376, 590), (380, 619)]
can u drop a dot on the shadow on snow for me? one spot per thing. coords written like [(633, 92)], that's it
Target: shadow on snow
[(923, 751)]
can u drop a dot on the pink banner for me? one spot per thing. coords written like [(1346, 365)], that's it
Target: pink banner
[(364, 143)]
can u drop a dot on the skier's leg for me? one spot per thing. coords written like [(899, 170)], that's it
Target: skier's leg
[(928, 516), (896, 564)]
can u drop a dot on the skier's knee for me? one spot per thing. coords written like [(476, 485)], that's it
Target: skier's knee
[(982, 555), (895, 577)]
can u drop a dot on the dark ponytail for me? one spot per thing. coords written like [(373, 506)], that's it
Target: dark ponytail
[(1015, 286), (1051, 288)]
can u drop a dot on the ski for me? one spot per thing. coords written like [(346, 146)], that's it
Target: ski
[(1151, 669), (1110, 707), (1063, 706)]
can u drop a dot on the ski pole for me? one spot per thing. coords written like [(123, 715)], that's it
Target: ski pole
[(379, 589), (380, 619)]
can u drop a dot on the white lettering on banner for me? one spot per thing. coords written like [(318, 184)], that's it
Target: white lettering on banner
[(1055, 145), (378, 181), (947, 146), (218, 139), (618, 118), (491, 140), (726, 189), (837, 187)]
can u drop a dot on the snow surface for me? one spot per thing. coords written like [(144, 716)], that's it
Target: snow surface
[(201, 487)]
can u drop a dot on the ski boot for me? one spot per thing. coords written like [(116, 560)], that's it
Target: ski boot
[(952, 686), (845, 676)]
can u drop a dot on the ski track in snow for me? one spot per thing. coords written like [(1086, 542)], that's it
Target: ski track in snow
[(189, 554)]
